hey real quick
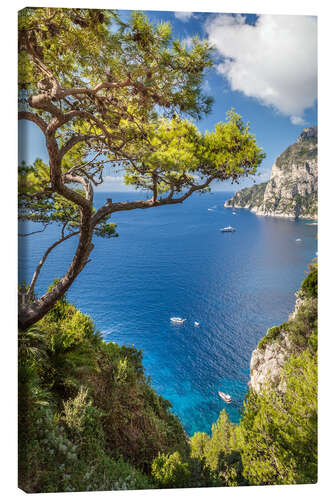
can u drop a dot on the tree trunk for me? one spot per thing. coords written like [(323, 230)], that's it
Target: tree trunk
[(31, 313)]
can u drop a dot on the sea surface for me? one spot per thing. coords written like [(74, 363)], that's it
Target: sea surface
[(174, 261)]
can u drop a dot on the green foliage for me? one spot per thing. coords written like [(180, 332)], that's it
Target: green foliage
[(249, 197), (272, 335), (58, 458), (303, 325), (278, 431), (67, 319), (310, 284), (38, 203), (300, 151), (222, 440), (198, 443), (88, 418), (137, 422), (219, 454), (176, 152), (169, 471)]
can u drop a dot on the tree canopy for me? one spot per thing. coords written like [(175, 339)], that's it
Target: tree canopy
[(109, 94)]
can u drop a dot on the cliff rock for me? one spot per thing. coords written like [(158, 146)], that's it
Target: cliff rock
[(288, 339), (293, 185)]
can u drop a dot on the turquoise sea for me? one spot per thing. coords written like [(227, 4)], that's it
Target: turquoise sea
[(174, 261)]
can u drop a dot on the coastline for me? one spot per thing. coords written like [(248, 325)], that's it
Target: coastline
[(280, 216)]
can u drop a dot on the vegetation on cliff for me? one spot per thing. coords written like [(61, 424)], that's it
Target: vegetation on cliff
[(248, 197), (292, 190), (279, 427), (89, 419), (305, 148)]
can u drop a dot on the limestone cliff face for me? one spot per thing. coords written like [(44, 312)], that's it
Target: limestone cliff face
[(266, 364), (293, 185), (273, 350)]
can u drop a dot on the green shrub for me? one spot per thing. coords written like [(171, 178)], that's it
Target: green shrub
[(302, 326), (278, 431), (310, 284), (137, 422), (169, 471), (272, 335)]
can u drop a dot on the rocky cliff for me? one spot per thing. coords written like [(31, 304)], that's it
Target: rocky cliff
[(293, 185), (289, 338)]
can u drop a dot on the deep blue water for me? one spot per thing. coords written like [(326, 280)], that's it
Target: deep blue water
[(174, 261)]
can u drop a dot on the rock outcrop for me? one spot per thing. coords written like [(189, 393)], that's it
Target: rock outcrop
[(293, 185), (277, 346), (267, 363)]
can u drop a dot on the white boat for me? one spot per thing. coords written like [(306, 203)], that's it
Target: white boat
[(225, 397), (196, 323), (179, 321), (228, 229), (210, 209), (298, 239)]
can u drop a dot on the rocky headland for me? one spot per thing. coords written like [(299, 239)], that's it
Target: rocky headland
[(286, 340), (292, 190)]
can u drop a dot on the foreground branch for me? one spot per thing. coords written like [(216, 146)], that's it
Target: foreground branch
[(122, 206), (42, 261)]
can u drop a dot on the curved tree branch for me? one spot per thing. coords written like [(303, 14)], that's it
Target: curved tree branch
[(31, 313), (42, 261), (32, 117), (33, 232), (110, 207)]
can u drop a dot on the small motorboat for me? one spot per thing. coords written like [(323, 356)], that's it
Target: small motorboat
[(228, 229), (298, 239), (196, 323), (233, 213), (178, 321), (225, 397)]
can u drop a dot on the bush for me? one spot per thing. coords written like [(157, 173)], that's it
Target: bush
[(278, 431), (169, 471), (302, 327), (310, 284), (272, 335), (137, 422), (66, 452)]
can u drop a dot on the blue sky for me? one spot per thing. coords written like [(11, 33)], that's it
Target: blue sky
[(265, 67)]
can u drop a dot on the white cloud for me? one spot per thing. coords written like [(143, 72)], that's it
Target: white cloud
[(183, 16), (274, 61), (206, 87), (113, 183), (297, 120)]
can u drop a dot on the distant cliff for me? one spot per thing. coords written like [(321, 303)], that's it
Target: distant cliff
[(292, 190)]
